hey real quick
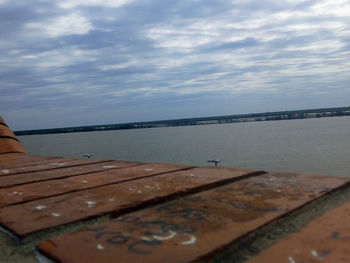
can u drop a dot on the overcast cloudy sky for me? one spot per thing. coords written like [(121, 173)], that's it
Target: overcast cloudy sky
[(85, 62)]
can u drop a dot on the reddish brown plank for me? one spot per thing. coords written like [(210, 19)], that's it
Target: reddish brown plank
[(27, 192), (17, 159), (28, 163), (48, 165), (326, 239), (14, 155), (5, 131), (8, 141), (194, 227), (37, 215), (31, 177), (10, 145)]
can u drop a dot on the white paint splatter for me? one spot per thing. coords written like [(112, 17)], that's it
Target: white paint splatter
[(84, 182), (109, 166), (112, 199), (59, 164), (15, 193), (56, 214), (156, 186), (191, 175), (90, 203), (291, 260), (314, 253), (170, 236), (139, 192), (40, 207), (191, 241), (100, 247), (148, 169), (131, 189), (5, 171), (278, 190)]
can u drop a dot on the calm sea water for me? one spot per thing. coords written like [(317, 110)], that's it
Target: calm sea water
[(318, 146)]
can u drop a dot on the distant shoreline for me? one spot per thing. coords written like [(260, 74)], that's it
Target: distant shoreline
[(266, 116)]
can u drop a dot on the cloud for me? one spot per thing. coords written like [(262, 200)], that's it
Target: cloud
[(121, 55), (72, 24), (108, 3), (338, 8), (59, 58)]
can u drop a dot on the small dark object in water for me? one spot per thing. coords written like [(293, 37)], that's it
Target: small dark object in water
[(214, 161)]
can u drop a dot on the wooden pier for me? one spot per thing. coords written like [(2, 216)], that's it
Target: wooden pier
[(64, 210)]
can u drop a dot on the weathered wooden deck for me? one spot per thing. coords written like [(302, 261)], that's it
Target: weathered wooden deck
[(87, 210)]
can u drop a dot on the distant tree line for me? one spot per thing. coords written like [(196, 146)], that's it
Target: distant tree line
[(266, 116)]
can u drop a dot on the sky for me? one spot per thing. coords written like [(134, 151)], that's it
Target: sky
[(86, 62)]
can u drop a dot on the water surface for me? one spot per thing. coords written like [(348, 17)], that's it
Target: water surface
[(317, 146)]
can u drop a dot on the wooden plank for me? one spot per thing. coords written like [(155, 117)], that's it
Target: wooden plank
[(8, 141), (26, 218), (30, 162), (192, 228), (52, 164), (9, 157), (38, 176), (14, 155), (6, 132), (10, 145), (34, 191), (19, 159), (326, 239)]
